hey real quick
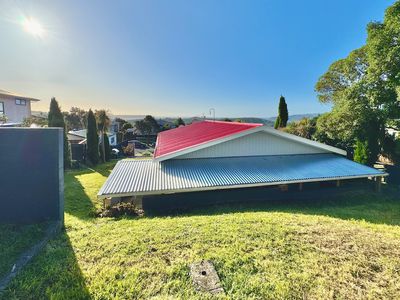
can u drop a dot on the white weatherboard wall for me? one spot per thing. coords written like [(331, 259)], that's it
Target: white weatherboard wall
[(258, 143)]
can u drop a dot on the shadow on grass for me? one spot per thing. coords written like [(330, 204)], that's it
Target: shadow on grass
[(15, 239), (359, 203), (53, 274), (77, 202)]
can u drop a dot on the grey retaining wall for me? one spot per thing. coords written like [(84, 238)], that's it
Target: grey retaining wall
[(31, 175)]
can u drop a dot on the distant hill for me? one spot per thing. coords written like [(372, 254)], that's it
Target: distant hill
[(168, 120), (243, 119), (295, 118)]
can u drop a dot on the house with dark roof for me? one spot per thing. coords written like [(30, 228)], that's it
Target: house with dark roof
[(215, 155), (15, 107)]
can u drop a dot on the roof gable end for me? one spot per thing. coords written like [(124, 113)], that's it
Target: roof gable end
[(228, 137)]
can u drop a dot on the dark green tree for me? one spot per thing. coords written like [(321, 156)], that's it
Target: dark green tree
[(124, 131), (107, 148), (92, 140), (56, 119), (179, 122), (103, 122), (283, 114), (152, 124), (277, 122)]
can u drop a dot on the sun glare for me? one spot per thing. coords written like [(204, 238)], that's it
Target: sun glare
[(33, 27)]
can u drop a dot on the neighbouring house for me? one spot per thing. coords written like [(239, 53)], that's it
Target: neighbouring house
[(15, 107), (79, 137), (214, 155)]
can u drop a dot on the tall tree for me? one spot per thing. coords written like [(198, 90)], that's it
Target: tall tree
[(364, 86), (152, 123), (106, 148), (103, 122), (56, 119), (283, 114), (92, 140)]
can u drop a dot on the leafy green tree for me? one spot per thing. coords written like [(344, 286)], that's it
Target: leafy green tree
[(75, 119), (305, 128), (364, 86), (179, 122), (283, 114), (92, 140), (56, 119), (152, 124), (103, 122), (361, 152), (124, 130), (166, 126), (147, 126)]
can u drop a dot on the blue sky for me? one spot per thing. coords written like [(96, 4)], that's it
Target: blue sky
[(179, 58)]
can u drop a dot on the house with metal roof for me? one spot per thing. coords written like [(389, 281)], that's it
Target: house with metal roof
[(214, 155)]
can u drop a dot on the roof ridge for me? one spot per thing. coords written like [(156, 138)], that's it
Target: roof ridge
[(232, 122)]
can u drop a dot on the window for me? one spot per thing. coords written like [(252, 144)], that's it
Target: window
[(20, 102), (1, 108)]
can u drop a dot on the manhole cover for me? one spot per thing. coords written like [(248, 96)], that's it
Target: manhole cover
[(205, 278)]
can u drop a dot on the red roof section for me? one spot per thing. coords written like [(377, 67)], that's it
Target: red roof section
[(188, 136)]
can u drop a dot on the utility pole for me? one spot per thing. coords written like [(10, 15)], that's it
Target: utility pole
[(212, 110)]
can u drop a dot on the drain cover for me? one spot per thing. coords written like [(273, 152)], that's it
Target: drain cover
[(205, 278)]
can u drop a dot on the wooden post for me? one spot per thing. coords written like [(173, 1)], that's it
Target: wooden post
[(378, 184), (300, 186)]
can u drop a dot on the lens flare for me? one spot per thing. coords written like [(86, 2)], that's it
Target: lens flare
[(33, 27)]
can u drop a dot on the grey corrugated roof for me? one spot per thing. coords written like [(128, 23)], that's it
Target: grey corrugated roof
[(145, 176)]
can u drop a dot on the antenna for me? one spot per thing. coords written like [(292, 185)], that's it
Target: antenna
[(213, 113)]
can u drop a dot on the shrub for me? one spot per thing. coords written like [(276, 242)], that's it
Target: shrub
[(122, 209), (129, 150)]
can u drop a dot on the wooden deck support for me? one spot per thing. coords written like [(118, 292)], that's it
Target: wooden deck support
[(378, 184)]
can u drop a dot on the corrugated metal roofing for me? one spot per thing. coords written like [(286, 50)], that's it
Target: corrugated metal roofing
[(140, 177), (195, 134)]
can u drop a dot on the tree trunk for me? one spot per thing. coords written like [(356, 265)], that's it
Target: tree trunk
[(103, 146)]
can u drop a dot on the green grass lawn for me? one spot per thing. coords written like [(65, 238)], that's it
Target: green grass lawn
[(15, 239), (348, 248)]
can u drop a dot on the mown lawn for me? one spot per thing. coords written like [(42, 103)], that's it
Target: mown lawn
[(348, 248), (15, 239)]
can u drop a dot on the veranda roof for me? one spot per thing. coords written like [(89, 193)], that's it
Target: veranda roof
[(148, 177)]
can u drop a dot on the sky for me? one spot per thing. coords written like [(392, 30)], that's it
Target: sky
[(179, 58)]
